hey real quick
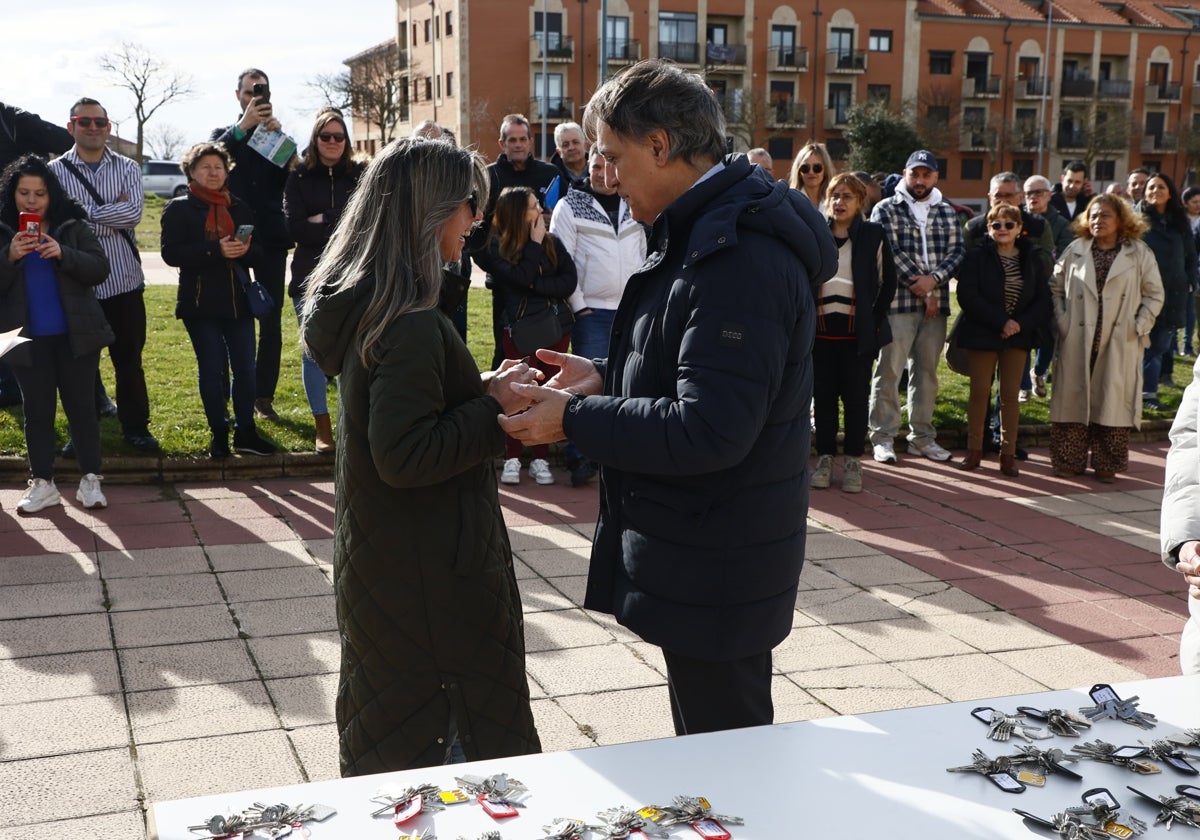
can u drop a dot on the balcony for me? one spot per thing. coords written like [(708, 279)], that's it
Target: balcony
[(787, 114), (559, 50), (787, 59), (1158, 143), (977, 140), (1078, 87), (1033, 88), (557, 107), (981, 87), (846, 61), (624, 51), (835, 118), (1072, 138), (679, 51), (1116, 88), (1163, 91), (725, 55), (1025, 140)]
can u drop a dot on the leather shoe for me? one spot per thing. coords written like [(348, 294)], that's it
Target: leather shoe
[(1106, 476), (1008, 465), (972, 461)]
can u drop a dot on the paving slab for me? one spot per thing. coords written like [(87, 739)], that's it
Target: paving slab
[(200, 711), (39, 790)]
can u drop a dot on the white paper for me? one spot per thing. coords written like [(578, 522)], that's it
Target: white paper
[(11, 339), (275, 146)]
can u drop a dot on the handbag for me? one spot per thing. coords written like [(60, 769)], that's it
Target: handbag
[(261, 302), (956, 357), (542, 329)]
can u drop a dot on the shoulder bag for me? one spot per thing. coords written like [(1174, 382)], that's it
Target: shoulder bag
[(261, 302), (125, 233)]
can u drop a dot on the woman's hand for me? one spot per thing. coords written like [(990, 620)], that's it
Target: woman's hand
[(537, 229), (1010, 329), (21, 245), (499, 385), (49, 248), (233, 248)]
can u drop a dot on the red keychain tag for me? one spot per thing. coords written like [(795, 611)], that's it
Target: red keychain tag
[(498, 810), (710, 829), (405, 811)]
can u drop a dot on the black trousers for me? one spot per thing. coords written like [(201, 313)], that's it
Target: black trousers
[(57, 372), (840, 373), (126, 314), (708, 696), (270, 272)]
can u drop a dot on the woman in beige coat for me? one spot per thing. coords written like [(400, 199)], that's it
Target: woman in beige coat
[(1106, 292)]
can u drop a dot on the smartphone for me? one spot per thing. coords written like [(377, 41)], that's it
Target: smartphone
[(30, 223), (243, 233), (263, 91)]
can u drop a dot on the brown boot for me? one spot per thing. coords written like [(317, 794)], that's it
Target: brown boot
[(1008, 464), (974, 457), (324, 434)]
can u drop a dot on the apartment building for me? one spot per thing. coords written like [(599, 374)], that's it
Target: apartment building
[(994, 84)]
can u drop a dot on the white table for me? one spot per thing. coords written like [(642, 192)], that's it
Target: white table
[(863, 776)]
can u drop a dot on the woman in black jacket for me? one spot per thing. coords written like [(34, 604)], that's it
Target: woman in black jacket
[(198, 236), (852, 325), (316, 193), (533, 272), (49, 268), (1004, 292)]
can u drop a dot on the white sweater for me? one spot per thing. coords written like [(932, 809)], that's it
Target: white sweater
[(604, 258)]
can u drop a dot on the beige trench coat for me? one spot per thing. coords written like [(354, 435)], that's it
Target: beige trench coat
[(1111, 393)]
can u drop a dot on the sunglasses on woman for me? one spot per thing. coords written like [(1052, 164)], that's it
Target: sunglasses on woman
[(88, 122), (1005, 225), (473, 202), (815, 168), (327, 137)]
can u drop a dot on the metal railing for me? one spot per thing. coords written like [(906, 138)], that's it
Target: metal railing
[(1163, 91), (1078, 86), (787, 113), (627, 49), (981, 86), (718, 54), (680, 51), (845, 61), (788, 59), (556, 107), (1116, 88), (1072, 138)]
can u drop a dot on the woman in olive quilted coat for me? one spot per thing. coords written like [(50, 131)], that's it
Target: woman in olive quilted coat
[(433, 653)]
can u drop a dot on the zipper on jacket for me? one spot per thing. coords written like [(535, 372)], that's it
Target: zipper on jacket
[(233, 290)]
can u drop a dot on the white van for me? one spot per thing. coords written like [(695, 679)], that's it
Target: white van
[(163, 177)]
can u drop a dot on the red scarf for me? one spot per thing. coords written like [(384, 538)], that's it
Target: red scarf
[(219, 223)]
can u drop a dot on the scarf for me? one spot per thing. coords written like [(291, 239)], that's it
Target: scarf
[(219, 223)]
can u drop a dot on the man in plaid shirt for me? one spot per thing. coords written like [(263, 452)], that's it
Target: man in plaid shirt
[(927, 243)]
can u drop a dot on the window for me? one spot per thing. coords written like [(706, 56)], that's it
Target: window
[(1023, 167), (1196, 121), (718, 33), (938, 116), (972, 170), (414, 40), (841, 47), (427, 29), (677, 37), (781, 148), (1158, 72), (942, 165), (839, 101), (438, 86), (449, 27), (437, 27), (838, 148), (941, 62), (974, 117), (548, 31), (879, 93), (783, 44), (616, 32), (449, 84), (549, 98), (1104, 170), (880, 40), (781, 95), (428, 88)]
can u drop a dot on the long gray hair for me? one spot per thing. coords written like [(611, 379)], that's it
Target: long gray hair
[(389, 232)]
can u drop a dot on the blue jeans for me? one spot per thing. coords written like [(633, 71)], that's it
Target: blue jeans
[(313, 377), (589, 338), (1160, 342), (223, 346)]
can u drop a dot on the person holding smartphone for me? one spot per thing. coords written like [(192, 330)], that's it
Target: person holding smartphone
[(51, 265)]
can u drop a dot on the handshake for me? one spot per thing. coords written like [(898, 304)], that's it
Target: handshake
[(533, 413)]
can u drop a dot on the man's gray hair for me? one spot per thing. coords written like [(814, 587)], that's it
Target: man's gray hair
[(563, 128), (1005, 178), (656, 94), (1038, 182)]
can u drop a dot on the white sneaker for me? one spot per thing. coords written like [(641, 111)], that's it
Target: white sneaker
[(930, 450), (511, 474), (851, 475), (539, 471), (1039, 386), (885, 453), (823, 473), (41, 494), (89, 493), (1022, 396)]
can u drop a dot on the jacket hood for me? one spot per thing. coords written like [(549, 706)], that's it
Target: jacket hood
[(332, 327), (745, 196), (935, 195)]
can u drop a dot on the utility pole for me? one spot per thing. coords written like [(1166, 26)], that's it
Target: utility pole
[(582, 50), (1045, 91), (816, 107)]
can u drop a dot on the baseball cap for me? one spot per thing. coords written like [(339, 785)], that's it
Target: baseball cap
[(923, 157)]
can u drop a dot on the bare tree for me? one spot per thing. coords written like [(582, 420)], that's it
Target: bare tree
[(938, 108), (166, 141), (374, 89), (151, 82)]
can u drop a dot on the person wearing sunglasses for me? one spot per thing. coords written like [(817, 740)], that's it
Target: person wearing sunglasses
[(317, 191), (811, 171), (1005, 299), (428, 610)]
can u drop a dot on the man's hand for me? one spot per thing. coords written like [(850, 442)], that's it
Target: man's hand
[(1189, 566), (256, 112), (923, 284), (931, 306), (542, 423), (576, 374)]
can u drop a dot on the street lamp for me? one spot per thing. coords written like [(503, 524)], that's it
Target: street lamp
[(582, 48)]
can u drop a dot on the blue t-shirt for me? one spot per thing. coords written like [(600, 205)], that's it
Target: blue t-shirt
[(43, 304)]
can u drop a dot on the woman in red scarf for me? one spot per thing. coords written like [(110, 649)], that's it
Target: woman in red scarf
[(199, 236)]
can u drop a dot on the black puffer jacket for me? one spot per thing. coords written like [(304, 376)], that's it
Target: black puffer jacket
[(309, 192), (260, 184), (208, 286), (427, 601), (1175, 252), (981, 296), (702, 431), (529, 286)]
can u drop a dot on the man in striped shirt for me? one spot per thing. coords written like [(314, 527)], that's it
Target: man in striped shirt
[(109, 187)]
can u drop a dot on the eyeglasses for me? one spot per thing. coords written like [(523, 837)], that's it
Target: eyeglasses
[(1004, 196), (1036, 192), (473, 201), (327, 137), (815, 168), (88, 122), (1005, 225)]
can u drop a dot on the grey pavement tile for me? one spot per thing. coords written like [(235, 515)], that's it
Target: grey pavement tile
[(38, 599), (858, 689), (875, 569), (304, 701), (601, 668), (903, 638), (21, 637), (61, 727), (970, 677), (274, 583), (813, 576), (521, 571), (652, 655), (312, 614), (1151, 519), (67, 567), (556, 562), (573, 588), (1110, 523), (146, 593), (146, 562), (825, 545), (538, 595), (174, 666), (816, 648), (562, 629), (525, 537), (58, 676), (67, 786), (174, 625), (557, 730), (1152, 497), (584, 529), (268, 555), (800, 619), (221, 764), (127, 825), (1066, 666), (1125, 500), (619, 717), (317, 747), (934, 598), (995, 631), (200, 711), (297, 656), (321, 549), (1059, 505), (792, 702), (609, 623), (1145, 542), (845, 605)]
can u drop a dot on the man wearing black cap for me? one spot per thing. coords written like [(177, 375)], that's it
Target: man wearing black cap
[(927, 244)]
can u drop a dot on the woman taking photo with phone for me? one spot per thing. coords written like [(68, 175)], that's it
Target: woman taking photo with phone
[(314, 198), (48, 274), (199, 238)]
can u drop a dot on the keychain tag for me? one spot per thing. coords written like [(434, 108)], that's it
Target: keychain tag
[(1188, 790), (1117, 830), (651, 813), (1181, 765), (1144, 767), (1031, 778), (497, 810), (1036, 820), (1129, 752), (405, 811), (1102, 693), (1006, 782), (452, 797), (710, 829)]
